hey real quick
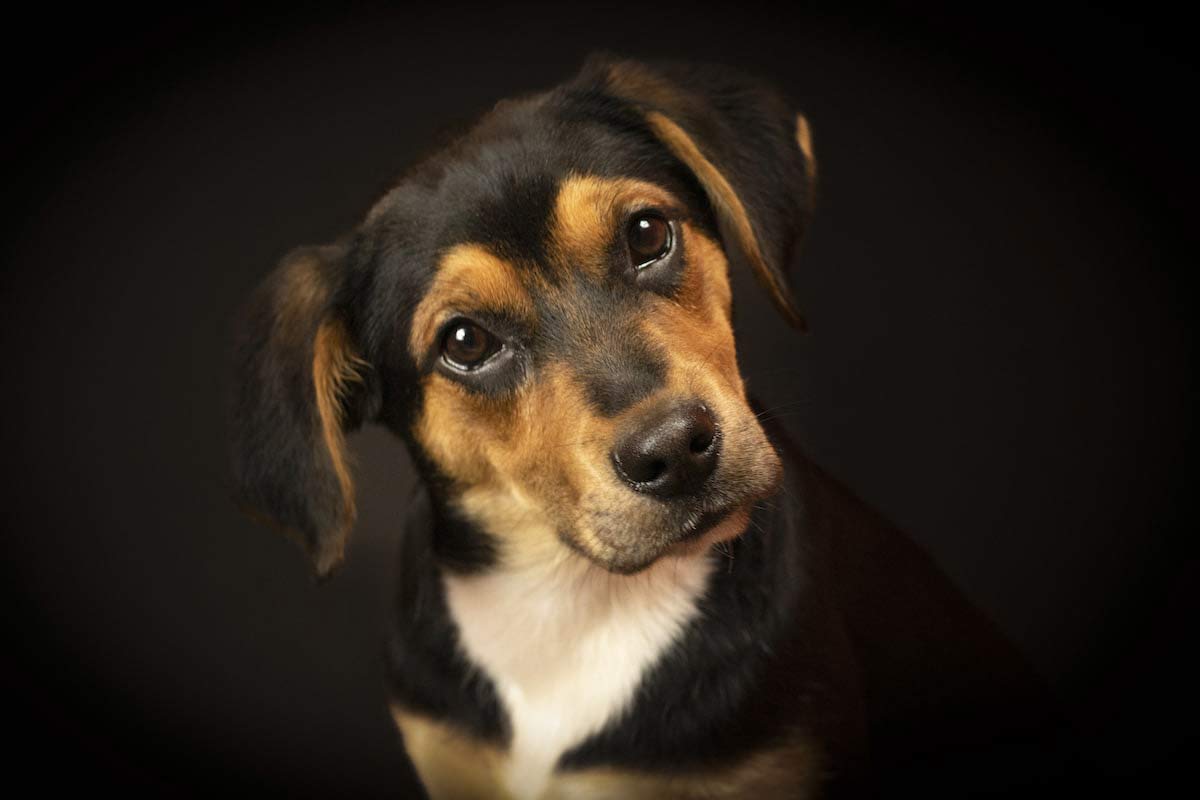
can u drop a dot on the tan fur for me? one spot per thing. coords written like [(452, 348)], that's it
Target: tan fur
[(728, 206), (787, 773), (534, 468), (451, 765), (301, 293), (633, 82), (589, 211), (695, 327), (707, 288), (335, 365), (469, 278), (520, 462), (696, 332), (455, 766), (804, 141)]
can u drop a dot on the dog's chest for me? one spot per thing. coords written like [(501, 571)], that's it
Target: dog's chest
[(566, 646)]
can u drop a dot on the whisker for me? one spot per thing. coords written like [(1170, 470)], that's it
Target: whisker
[(578, 443), (790, 404)]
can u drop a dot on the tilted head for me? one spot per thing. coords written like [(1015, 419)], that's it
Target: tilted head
[(542, 312)]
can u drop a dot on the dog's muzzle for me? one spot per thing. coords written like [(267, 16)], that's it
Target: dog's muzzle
[(670, 452)]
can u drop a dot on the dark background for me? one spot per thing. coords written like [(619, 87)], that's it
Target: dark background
[(998, 361)]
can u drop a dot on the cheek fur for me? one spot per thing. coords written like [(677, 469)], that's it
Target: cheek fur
[(519, 466), (454, 430), (694, 329), (696, 332), (533, 468), (707, 279)]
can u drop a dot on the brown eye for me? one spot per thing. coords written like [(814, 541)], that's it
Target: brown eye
[(465, 345), (649, 237)]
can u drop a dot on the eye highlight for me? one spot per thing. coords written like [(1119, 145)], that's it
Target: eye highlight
[(649, 238), (466, 345)]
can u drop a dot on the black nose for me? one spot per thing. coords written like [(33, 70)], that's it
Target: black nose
[(670, 453)]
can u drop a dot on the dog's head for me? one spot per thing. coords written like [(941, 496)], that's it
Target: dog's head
[(542, 312)]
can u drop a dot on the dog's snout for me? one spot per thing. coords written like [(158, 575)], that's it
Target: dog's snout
[(670, 453)]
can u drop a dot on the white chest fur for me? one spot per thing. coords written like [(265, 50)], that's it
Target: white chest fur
[(566, 644)]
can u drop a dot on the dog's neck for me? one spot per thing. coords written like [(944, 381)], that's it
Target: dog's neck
[(567, 644), (468, 642)]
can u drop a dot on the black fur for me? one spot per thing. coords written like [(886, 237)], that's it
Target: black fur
[(822, 620), (280, 462), (425, 669)]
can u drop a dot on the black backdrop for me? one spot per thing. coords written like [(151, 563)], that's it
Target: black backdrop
[(995, 284)]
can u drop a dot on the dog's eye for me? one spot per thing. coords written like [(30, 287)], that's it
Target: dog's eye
[(649, 237), (466, 345)]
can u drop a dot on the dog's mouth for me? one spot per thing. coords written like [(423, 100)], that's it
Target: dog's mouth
[(627, 530), (713, 527), (703, 523), (691, 534)]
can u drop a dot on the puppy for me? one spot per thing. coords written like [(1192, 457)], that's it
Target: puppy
[(615, 582)]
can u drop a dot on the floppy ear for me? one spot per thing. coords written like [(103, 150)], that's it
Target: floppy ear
[(748, 148), (299, 385)]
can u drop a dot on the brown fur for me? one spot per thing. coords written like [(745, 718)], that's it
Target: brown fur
[(534, 467), (454, 765), (791, 772), (804, 140), (450, 764), (469, 277), (587, 211), (299, 297), (335, 365), (728, 206), (632, 82), (599, 354)]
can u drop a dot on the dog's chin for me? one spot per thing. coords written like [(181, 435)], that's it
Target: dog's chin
[(694, 537)]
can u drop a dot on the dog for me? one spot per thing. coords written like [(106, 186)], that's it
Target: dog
[(616, 580)]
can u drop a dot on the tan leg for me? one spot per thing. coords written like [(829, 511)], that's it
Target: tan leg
[(451, 765)]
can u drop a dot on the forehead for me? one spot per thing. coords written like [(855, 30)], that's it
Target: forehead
[(501, 185), (503, 189), (575, 237)]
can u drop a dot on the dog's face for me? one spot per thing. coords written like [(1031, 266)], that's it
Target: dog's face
[(587, 393), (543, 313)]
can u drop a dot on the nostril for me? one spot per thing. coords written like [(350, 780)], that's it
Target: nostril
[(640, 467), (703, 429), (673, 452)]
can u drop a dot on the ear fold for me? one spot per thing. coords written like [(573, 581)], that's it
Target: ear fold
[(749, 150), (299, 386)]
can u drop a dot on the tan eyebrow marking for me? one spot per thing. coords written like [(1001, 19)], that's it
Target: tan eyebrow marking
[(469, 277), (588, 211)]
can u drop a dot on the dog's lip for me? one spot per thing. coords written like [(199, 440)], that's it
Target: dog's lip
[(706, 522), (710, 527)]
